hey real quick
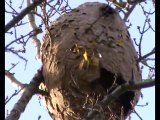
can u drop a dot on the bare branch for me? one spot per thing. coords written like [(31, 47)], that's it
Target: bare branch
[(129, 12), (22, 14), (143, 105), (135, 1), (15, 93), (137, 115), (16, 53), (125, 5), (37, 31), (116, 93), (13, 80), (30, 90), (14, 11), (119, 5), (13, 65), (33, 26), (147, 55), (144, 30)]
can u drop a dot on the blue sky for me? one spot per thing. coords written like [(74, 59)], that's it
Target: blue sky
[(34, 109)]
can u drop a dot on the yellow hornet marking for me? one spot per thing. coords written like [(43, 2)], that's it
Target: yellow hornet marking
[(84, 64), (120, 42), (85, 55)]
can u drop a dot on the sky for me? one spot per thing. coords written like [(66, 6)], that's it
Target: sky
[(35, 107)]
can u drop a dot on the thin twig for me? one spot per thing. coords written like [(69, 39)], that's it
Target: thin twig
[(117, 92), (16, 53), (137, 115), (22, 14), (14, 94), (14, 11), (147, 55)]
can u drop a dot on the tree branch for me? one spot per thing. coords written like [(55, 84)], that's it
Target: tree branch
[(14, 94), (129, 12), (14, 81), (147, 55), (29, 91), (116, 93), (22, 14), (33, 26)]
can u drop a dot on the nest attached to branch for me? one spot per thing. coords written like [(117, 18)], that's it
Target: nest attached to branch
[(86, 54)]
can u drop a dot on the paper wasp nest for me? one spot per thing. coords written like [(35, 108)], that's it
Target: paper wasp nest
[(86, 54)]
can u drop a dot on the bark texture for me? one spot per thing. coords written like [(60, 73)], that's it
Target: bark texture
[(86, 54)]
